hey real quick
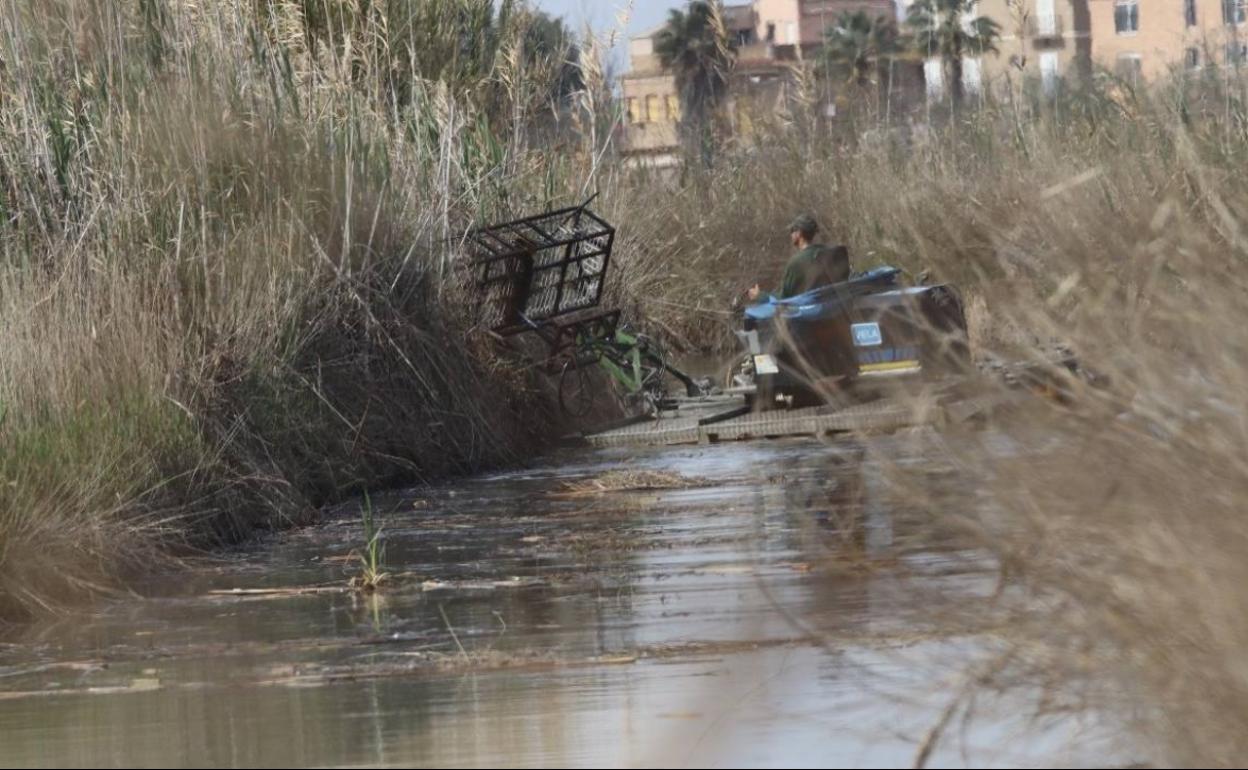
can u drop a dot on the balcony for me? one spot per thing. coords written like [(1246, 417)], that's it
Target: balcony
[(1047, 30), (764, 57)]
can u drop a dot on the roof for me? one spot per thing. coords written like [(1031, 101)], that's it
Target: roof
[(649, 33)]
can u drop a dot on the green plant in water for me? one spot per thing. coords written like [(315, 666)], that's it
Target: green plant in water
[(373, 558)]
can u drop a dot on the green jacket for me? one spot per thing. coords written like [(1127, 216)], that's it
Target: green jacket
[(815, 265)]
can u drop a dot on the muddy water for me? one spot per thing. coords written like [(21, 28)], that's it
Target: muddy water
[(755, 617)]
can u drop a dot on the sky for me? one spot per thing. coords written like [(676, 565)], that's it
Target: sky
[(602, 14)]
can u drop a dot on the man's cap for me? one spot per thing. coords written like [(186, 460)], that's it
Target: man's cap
[(804, 224)]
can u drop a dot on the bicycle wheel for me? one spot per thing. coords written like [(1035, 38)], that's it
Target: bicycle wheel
[(577, 390), (654, 376)]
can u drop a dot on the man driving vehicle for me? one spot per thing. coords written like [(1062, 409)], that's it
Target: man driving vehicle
[(813, 265)]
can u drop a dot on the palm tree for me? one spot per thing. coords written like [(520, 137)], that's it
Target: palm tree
[(951, 29), (694, 46), (858, 44), (547, 40)]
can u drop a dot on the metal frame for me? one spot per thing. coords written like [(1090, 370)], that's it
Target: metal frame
[(564, 340), (538, 268), (546, 274)]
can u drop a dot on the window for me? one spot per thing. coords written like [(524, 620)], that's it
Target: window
[(634, 112), (771, 32), (1236, 53), (1234, 11), (790, 33), (934, 76), (1130, 67), (1127, 16), (673, 108), (652, 109), (972, 76), (1046, 18), (1050, 71), (1189, 12), (1191, 58)]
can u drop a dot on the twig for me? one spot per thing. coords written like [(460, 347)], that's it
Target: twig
[(932, 739), (975, 679), (446, 620)]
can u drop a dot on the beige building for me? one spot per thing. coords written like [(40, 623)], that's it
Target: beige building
[(651, 104), (1151, 37), (652, 109), (804, 22), (1048, 40), (1042, 41), (770, 36)]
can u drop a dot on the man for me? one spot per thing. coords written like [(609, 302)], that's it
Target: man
[(813, 265)]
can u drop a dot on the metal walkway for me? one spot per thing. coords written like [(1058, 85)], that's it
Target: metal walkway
[(720, 418)]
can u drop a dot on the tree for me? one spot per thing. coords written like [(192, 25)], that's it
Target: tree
[(694, 46), (548, 41), (951, 30), (857, 45)]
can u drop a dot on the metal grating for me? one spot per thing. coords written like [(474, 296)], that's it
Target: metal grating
[(883, 415), (539, 268)]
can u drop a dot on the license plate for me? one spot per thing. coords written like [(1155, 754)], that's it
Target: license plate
[(867, 335), (765, 365)]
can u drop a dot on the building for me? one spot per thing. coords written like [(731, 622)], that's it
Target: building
[(766, 34), (1041, 40), (1148, 38), (770, 36), (651, 104), (651, 101), (1135, 39)]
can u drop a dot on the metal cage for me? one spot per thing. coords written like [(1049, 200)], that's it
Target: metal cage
[(539, 268)]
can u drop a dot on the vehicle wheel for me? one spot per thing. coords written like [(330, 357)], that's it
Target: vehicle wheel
[(650, 404), (654, 375), (736, 367), (577, 389)]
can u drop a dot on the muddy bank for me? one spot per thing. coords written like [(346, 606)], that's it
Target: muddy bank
[(762, 612)]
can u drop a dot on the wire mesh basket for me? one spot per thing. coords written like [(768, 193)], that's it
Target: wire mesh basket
[(539, 268)]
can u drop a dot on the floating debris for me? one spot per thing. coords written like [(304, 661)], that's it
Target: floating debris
[(629, 481), (482, 585), (262, 593)]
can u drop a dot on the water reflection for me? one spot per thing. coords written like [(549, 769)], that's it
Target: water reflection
[(733, 622)]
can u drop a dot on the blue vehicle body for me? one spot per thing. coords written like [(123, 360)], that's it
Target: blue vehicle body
[(825, 301), (870, 325)]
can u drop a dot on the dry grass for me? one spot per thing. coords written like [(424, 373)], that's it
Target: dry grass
[(1115, 517), (1112, 222), (225, 284), (225, 297)]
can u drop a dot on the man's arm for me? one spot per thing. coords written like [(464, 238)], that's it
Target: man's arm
[(794, 273)]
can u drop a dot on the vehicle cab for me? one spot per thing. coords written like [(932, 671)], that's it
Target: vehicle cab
[(842, 337)]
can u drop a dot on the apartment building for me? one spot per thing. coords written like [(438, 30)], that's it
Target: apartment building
[(651, 103), (1148, 38), (1135, 39), (1041, 40), (767, 35)]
